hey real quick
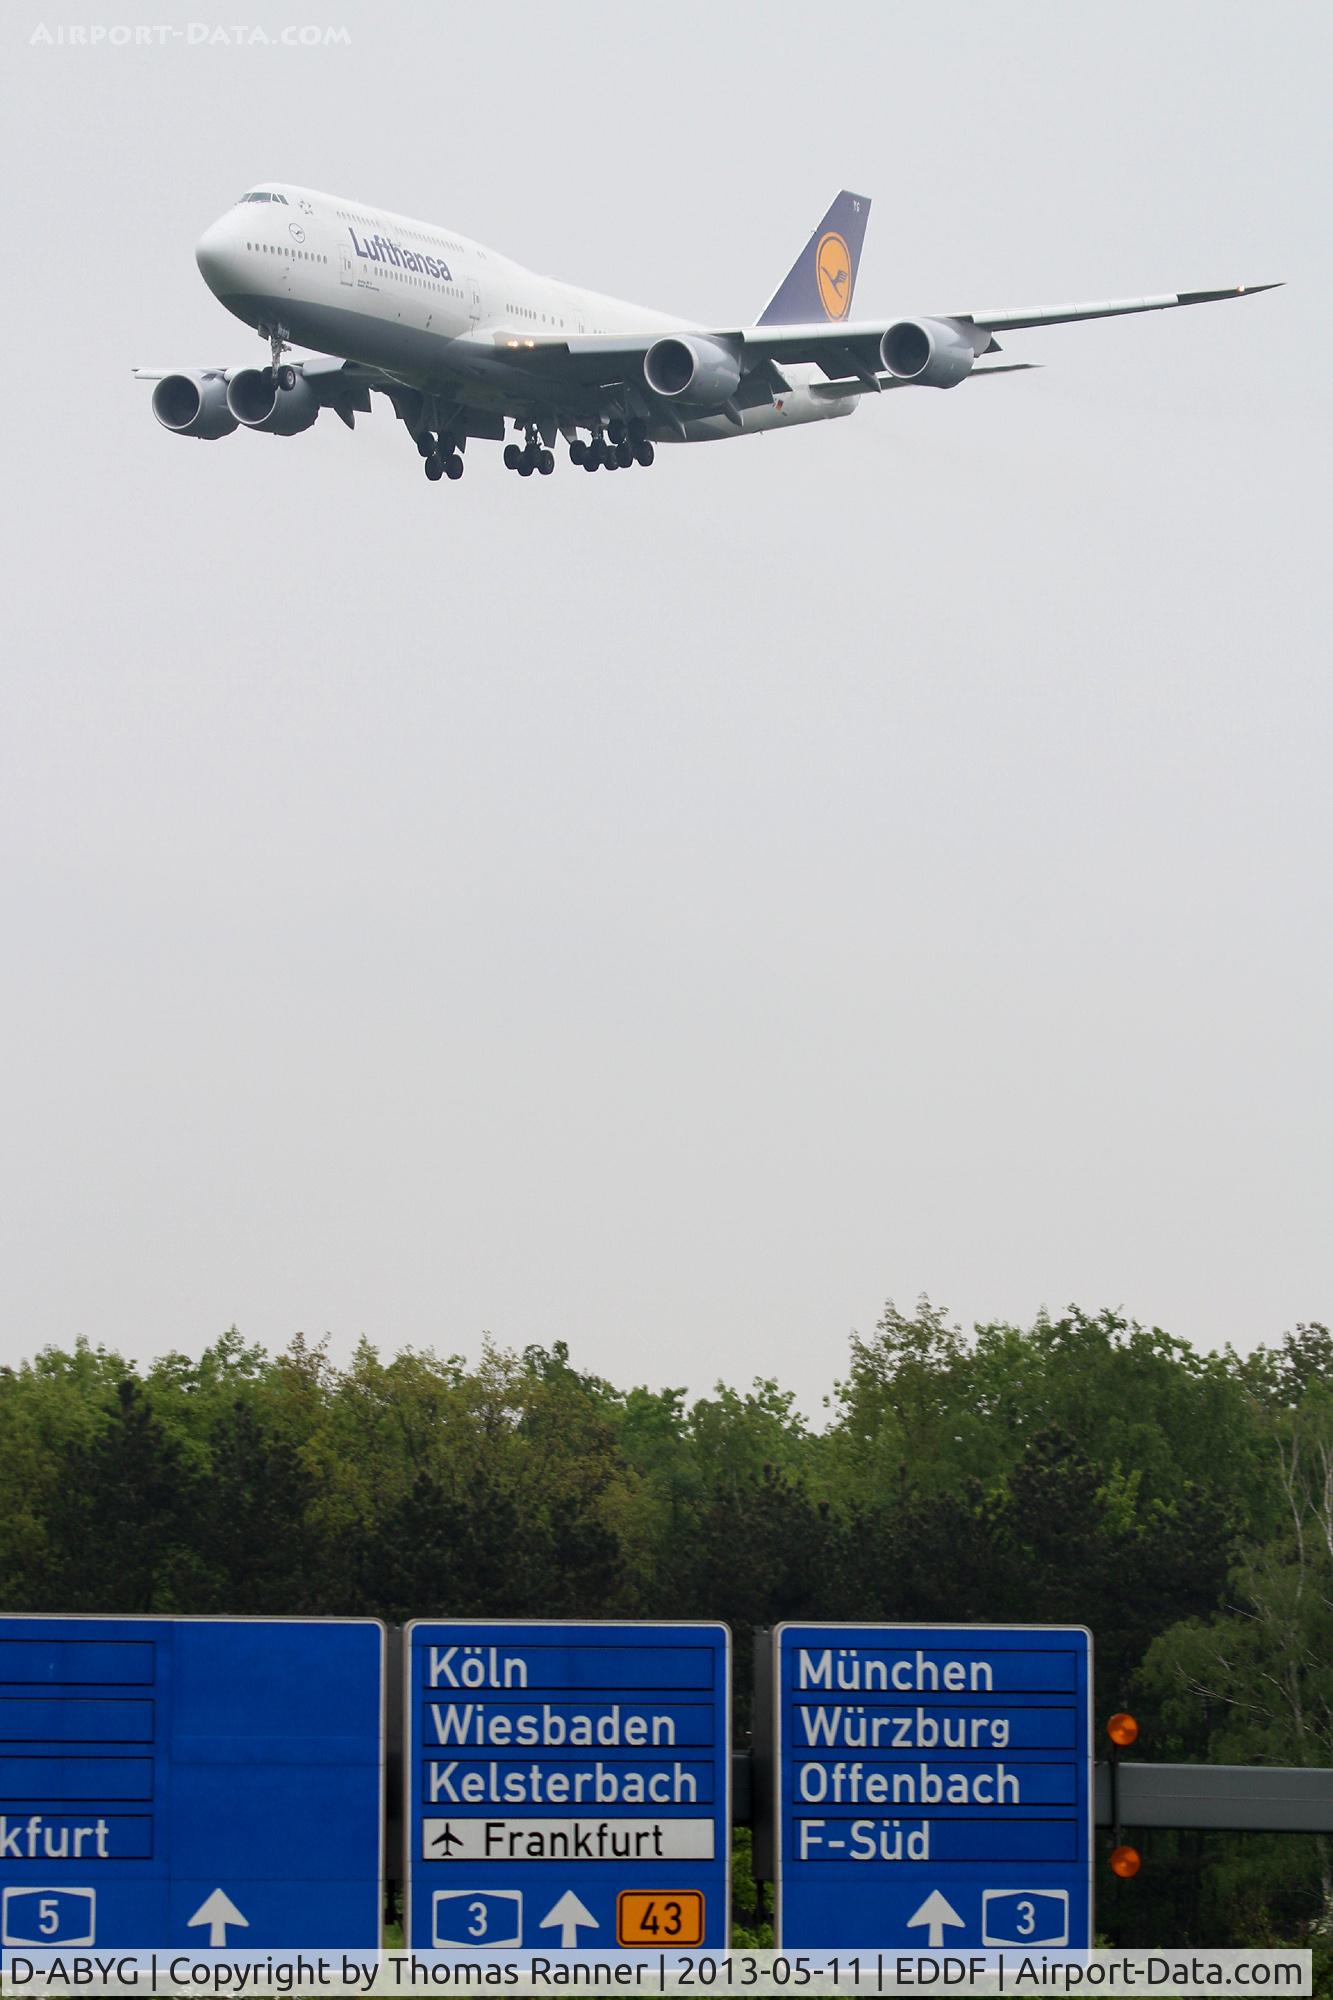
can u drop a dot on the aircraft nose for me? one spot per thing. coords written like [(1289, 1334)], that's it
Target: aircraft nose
[(213, 253)]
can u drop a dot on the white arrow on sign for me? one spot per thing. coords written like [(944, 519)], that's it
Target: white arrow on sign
[(936, 1912), (569, 1913), (217, 1911)]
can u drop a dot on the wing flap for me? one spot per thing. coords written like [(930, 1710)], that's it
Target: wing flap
[(855, 385)]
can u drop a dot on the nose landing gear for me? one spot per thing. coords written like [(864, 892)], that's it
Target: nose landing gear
[(283, 374)]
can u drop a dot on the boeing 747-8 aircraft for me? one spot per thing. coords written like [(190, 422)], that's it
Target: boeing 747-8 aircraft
[(466, 344)]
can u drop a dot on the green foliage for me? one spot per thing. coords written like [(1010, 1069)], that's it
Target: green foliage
[(1085, 1469)]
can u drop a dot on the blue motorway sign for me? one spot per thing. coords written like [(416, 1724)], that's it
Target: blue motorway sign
[(568, 1784), (191, 1781), (934, 1785)]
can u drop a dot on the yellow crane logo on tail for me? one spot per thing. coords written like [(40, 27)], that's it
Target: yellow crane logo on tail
[(833, 274)]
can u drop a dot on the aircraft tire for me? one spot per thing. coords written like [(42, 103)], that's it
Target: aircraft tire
[(513, 457), (453, 466), (624, 452), (433, 467), (578, 451), (524, 466), (644, 452), (546, 463)]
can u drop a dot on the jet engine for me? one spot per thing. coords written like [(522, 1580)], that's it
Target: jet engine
[(933, 353), (690, 368), (193, 406), (256, 401)]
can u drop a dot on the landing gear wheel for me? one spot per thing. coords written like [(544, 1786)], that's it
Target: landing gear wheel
[(644, 452), (578, 451), (546, 463), (286, 378), (624, 452), (513, 457), (453, 466), (433, 467), (615, 430), (525, 465), (425, 443), (592, 458)]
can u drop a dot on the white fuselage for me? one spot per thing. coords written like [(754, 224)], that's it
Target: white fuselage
[(430, 306)]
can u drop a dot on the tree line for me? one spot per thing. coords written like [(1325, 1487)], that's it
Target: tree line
[(1085, 1469)]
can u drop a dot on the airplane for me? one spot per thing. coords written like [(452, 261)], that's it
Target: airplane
[(466, 344), (448, 1840)]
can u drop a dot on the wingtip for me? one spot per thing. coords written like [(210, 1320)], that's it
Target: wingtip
[(1229, 292)]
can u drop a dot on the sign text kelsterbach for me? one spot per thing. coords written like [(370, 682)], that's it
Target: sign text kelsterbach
[(568, 1784)]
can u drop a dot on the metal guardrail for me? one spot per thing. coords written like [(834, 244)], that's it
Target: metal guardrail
[(1238, 1798)]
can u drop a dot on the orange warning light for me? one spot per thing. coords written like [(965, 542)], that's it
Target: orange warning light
[(1123, 1730), (1125, 1862)]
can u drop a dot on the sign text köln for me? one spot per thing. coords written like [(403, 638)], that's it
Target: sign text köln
[(568, 1785)]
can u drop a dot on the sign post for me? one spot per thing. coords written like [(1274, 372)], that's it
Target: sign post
[(199, 1782), (568, 1785), (934, 1786)]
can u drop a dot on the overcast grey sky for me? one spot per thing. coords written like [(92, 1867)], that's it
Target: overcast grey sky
[(675, 913)]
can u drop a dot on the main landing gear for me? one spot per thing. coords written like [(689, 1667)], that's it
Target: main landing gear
[(532, 457), (442, 455), (621, 446)]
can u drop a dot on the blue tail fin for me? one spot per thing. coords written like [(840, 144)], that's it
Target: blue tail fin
[(820, 283)]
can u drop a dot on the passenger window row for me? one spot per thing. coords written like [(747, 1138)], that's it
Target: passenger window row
[(281, 250)]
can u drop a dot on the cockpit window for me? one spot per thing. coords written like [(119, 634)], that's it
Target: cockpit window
[(262, 194)]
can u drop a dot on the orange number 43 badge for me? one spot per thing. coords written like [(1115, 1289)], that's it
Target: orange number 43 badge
[(661, 1916)]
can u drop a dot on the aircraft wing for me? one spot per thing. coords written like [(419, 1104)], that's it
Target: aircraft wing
[(862, 337), (839, 347)]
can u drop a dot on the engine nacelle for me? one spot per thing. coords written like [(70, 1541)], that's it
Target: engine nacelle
[(255, 401), (194, 406), (933, 353), (690, 368)]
